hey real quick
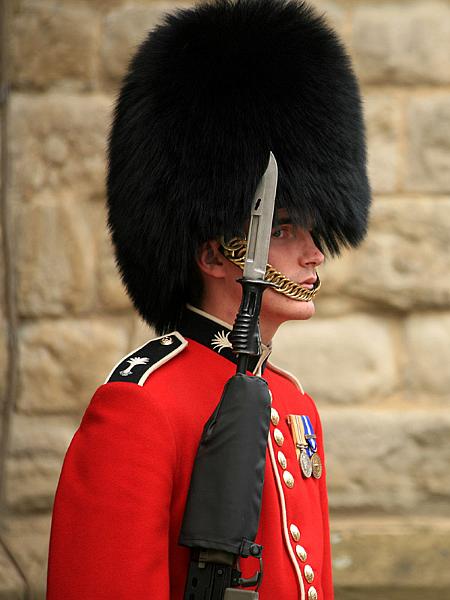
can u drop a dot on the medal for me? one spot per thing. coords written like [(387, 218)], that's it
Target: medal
[(305, 445), (305, 463), (316, 465), (301, 445)]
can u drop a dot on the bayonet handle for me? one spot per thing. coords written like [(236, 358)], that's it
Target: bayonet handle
[(245, 336)]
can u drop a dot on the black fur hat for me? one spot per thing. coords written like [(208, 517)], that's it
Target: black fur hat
[(207, 95)]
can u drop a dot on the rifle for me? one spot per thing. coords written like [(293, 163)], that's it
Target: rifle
[(224, 502)]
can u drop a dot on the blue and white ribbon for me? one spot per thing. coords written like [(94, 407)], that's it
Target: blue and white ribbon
[(309, 431)]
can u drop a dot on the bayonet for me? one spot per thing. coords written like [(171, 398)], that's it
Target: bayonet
[(258, 239), (245, 336)]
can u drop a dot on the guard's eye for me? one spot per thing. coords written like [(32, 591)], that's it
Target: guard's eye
[(283, 231)]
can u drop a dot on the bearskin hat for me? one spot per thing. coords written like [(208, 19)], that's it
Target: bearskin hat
[(207, 95)]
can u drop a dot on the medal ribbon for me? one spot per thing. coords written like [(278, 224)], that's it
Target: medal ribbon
[(309, 435)]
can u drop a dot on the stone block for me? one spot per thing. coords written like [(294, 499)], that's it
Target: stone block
[(58, 144), (334, 12), (111, 291), (3, 326), (428, 151), (62, 362), (12, 586), (403, 264), (54, 44), (404, 592), (427, 342), (389, 462), (386, 558), (332, 300), (55, 258), (402, 43), (355, 352), (141, 332), (106, 6), (3, 356), (383, 127), (27, 539), (124, 29), (37, 448)]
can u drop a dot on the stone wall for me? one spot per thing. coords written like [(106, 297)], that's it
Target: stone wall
[(376, 356)]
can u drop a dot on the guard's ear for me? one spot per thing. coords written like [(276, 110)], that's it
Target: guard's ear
[(210, 260)]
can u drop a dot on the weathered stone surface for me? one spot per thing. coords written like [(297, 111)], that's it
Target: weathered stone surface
[(63, 362), (106, 5), (367, 592), (54, 43), (3, 326), (58, 144), (388, 462), (381, 592), (3, 356), (111, 291), (55, 258), (12, 586), (128, 25), (402, 42), (124, 29), (406, 558), (336, 306), (428, 153), (427, 341), (404, 263), (356, 352), (37, 448), (334, 12), (383, 127), (141, 332), (31, 483), (27, 537)]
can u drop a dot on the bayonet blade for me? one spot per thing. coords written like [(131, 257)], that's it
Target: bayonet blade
[(260, 230)]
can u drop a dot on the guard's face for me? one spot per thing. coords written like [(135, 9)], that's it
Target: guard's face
[(294, 253)]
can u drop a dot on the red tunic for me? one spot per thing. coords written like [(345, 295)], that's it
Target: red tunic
[(123, 487)]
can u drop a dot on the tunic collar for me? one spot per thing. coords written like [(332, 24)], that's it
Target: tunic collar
[(214, 333)]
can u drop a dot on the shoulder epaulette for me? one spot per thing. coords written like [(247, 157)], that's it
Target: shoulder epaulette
[(140, 363)]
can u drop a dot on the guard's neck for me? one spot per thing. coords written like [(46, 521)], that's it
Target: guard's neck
[(227, 315)]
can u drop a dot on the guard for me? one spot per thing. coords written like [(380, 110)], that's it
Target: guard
[(208, 95)]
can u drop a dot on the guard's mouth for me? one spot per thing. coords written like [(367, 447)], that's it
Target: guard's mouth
[(310, 282)]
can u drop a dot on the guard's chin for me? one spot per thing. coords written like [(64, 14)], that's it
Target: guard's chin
[(284, 309), (304, 310)]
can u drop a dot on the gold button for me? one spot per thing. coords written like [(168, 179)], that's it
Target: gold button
[(288, 479), (279, 437), (282, 460), (166, 341), (295, 532), (312, 593), (309, 573), (301, 552), (274, 416)]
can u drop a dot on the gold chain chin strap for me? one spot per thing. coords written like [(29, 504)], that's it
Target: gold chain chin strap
[(235, 249)]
